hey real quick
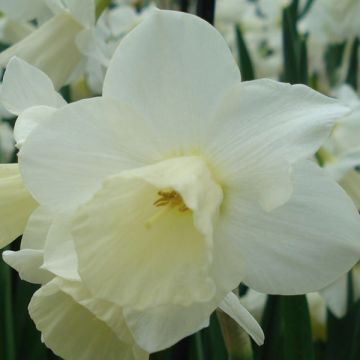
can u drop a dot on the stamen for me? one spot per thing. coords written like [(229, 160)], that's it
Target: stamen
[(169, 200)]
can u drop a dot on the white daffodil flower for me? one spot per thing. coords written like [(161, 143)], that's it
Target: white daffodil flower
[(52, 47), (47, 251), (333, 21), (180, 182), (98, 44), (341, 152)]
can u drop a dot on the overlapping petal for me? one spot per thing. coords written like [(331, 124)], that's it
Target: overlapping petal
[(231, 305), (25, 86), (261, 128), (16, 204), (173, 78), (287, 250), (85, 142), (59, 251), (65, 313), (57, 36), (28, 260)]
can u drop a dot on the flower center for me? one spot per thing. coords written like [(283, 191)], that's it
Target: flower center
[(171, 198), (168, 200)]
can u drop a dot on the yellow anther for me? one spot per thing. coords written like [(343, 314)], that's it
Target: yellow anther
[(169, 200)]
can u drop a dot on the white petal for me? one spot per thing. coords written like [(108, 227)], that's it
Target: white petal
[(167, 251), (91, 46), (13, 31), (59, 251), (29, 120), (187, 70), (70, 326), (351, 184), (29, 259), (335, 296), (231, 305), (61, 57), (27, 263), (36, 229), (338, 169), (23, 10), (25, 85), (66, 159), (16, 204), (300, 247), (265, 116), (161, 327), (83, 11)]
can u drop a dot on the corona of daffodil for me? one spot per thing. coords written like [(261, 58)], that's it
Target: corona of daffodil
[(181, 181)]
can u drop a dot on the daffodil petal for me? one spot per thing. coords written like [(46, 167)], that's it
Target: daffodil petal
[(36, 229), (83, 11), (161, 327), (73, 167), (335, 296), (22, 10), (57, 36), (27, 263), (64, 313), (25, 86), (121, 231), (29, 259), (263, 118), (29, 120), (301, 246), (181, 72), (59, 251), (16, 204), (231, 305), (351, 184)]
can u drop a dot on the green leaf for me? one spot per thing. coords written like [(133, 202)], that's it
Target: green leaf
[(184, 5), (355, 343), (206, 10), (333, 58), (213, 342), (343, 333), (303, 62), (305, 9), (28, 337), (7, 327), (246, 67), (290, 43), (272, 327), (352, 74), (287, 328), (297, 328)]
